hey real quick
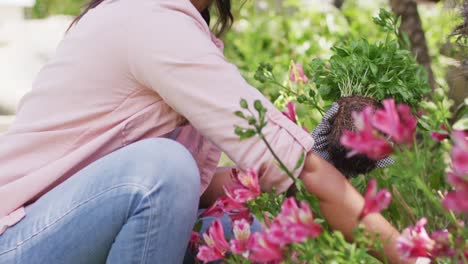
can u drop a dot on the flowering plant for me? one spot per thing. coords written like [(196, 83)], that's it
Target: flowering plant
[(427, 206)]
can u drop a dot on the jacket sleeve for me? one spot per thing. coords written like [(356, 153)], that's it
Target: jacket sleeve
[(171, 52)]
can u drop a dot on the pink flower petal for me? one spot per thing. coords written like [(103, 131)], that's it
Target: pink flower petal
[(291, 113), (293, 224), (375, 202), (461, 139), (245, 186), (214, 237), (221, 206), (460, 160), (297, 74), (364, 140), (438, 137), (415, 242), (458, 181), (456, 201), (241, 214), (396, 121), (261, 250), (442, 247), (194, 241), (208, 254), (241, 230), (368, 144)]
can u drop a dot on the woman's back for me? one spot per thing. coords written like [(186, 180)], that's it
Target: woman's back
[(84, 104)]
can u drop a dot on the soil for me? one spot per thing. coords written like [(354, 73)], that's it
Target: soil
[(343, 121)]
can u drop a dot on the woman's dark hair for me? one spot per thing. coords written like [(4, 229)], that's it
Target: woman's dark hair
[(223, 9)]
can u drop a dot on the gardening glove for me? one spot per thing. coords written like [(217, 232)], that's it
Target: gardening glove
[(320, 136)]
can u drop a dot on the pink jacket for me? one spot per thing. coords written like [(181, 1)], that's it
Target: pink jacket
[(131, 70)]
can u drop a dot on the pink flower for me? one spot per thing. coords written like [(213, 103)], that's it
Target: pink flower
[(194, 241), (460, 138), (277, 235), (456, 201), (241, 214), (375, 202), (216, 244), (439, 136), (291, 113), (460, 183), (460, 160), (207, 254), (364, 140), (245, 187), (241, 232), (294, 224), (221, 206), (396, 121), (415, 242), (214, 237), (460, 152), (442, 246), (297, 74), (263, 251)]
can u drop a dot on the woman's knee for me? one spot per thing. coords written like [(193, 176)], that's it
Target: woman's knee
[(161, 162)]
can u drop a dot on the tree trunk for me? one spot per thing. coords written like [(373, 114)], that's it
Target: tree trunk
[(411, 25)]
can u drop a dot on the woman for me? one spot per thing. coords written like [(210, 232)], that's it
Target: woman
[(122, 131)]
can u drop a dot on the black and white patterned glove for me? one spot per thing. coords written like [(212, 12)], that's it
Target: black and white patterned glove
[(320, 136), (321, 132)]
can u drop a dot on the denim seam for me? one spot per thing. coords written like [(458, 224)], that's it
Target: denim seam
[(149, 225), (71, 210)]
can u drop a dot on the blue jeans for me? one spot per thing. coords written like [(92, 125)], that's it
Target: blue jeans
[(136, 205)]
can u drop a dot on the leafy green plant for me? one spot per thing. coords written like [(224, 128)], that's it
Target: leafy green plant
[(379, 70)]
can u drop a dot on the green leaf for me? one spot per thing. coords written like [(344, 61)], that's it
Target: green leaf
[(340, 51), (258, 106), (324, 90), (238, 131), (243, 104), (300, 162), (239, 114), (374, 69), (247, 134), (424, 125), (198, 226), (244, 133), (252, 121)]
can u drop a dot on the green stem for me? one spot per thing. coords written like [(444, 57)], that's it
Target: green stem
[(322, 111), (284, 87), (436, 202)]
